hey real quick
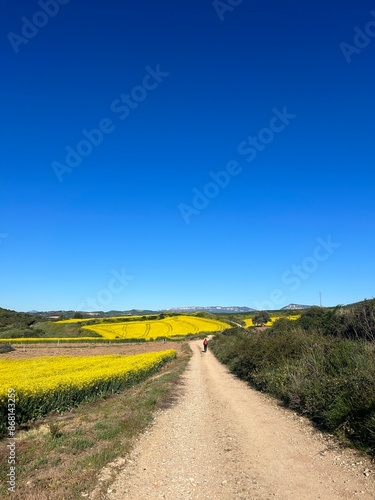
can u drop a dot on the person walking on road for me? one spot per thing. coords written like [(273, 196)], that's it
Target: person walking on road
[(205, 344)]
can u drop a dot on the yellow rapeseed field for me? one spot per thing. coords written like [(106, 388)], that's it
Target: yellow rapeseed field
[(33, 340), (249, 321), (152, 329), (57, 383)]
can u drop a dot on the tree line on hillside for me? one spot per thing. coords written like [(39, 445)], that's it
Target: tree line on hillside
[(15, 324), (14, 318), (350, 322), (354, 322)]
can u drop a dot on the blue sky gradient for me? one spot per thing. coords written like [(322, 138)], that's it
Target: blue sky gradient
[(172, 94)]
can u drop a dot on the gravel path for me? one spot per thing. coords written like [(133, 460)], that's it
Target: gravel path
[(223, 440)]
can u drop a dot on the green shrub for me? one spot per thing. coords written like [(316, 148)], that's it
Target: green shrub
[(15, 333), (329, 379), (354, 322), (5, 348), (362, 320)]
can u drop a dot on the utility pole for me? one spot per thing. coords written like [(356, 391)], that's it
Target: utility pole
[(320, 299)]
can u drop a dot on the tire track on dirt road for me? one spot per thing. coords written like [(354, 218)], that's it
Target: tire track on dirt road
[(223, 440)]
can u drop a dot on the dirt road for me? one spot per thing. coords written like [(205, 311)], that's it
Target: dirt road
[(223, 440)]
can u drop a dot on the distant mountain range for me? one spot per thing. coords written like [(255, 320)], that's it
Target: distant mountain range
[(211, 309), (290, 307), (228, 309), (100, 314), (142, 312)]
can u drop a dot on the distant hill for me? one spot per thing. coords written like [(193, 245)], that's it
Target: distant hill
[(132, 312), (18, 324), (95, 314), (211, 309), (12, 317), (291, 307)]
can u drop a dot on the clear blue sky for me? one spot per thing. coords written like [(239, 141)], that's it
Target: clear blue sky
[(277, 95)]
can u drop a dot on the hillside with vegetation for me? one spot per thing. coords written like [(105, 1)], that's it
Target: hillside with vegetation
[(20, 327), (321, 365), (18, 324)]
